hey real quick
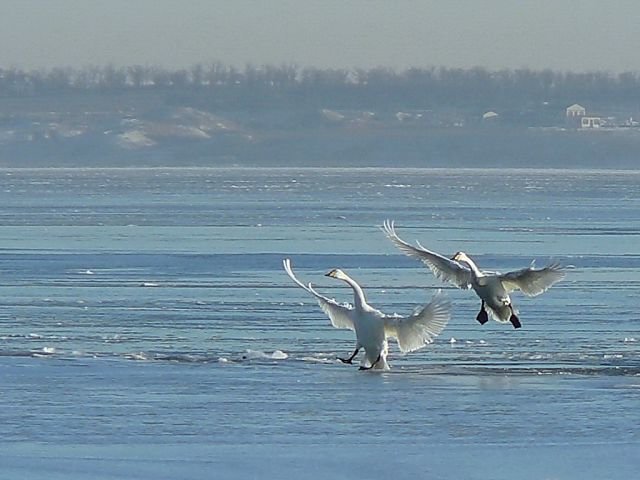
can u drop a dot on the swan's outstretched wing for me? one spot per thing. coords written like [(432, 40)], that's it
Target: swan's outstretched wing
[(422, 327), (532, 281), (442, 267), (340, 315)]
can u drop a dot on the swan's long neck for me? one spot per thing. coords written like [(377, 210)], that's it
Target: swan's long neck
[(358, 294), (477, 273)]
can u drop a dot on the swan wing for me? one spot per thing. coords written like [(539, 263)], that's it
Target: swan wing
[(533, 281), (340, 315), (442, 267), (422, 327)]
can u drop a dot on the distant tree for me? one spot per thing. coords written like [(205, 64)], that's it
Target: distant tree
[(179, 79), (197, 75), (267, 86), (58, 79), (160, 77), (113, 78), (217, 75), (138, 76)]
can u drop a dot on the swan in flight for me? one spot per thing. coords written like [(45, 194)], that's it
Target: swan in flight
[(493, 288), (373, 327)]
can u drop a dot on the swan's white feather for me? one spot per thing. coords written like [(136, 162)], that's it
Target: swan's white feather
[(340, 315), (532, 281), (442, 267), (422, 327)]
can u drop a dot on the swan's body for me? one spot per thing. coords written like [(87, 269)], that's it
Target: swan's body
[(373, 327), (493, 288)]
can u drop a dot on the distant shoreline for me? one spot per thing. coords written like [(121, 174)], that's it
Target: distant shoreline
[(293, 170), (323, 123)]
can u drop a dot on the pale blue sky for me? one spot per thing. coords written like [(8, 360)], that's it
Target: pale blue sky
[(559, 34)]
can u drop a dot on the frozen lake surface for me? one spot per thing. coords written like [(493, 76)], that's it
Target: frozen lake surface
[(148, 330)]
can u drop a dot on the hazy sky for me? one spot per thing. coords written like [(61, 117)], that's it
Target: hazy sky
[(559, 34)]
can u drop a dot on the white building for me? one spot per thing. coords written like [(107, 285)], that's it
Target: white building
[(576, 110), (590, 122)]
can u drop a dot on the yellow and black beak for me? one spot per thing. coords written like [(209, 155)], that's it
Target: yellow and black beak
[(331, 274)]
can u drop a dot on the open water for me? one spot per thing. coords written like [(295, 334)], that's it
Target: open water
[(148, 331)]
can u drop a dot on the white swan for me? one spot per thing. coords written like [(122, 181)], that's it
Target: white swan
[(373, 327), (492, 287)]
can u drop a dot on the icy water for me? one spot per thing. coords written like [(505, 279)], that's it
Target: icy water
[(148, 331)]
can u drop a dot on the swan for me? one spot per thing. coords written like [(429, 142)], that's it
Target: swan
[(373, 327), (493, 288)]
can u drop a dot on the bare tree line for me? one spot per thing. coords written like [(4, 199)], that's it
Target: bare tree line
[(430, 86)]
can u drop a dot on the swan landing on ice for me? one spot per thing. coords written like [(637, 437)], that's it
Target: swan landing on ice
[(373, 327), (493, 288)]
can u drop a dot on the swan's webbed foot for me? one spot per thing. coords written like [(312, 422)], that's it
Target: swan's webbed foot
[(372, 365), (515, 321), (350, 359), (482, 317)]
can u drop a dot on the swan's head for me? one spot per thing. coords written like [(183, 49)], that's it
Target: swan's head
[(336, 273), (461, 257)]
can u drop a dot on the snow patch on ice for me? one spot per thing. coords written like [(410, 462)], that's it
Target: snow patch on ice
[(260, 355)]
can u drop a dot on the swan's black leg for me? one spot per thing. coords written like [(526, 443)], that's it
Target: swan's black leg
[(515, 321), (350, 359), (482, 317), (372, 365)]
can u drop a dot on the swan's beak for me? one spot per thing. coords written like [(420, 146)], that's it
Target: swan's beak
[(331, 274)]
